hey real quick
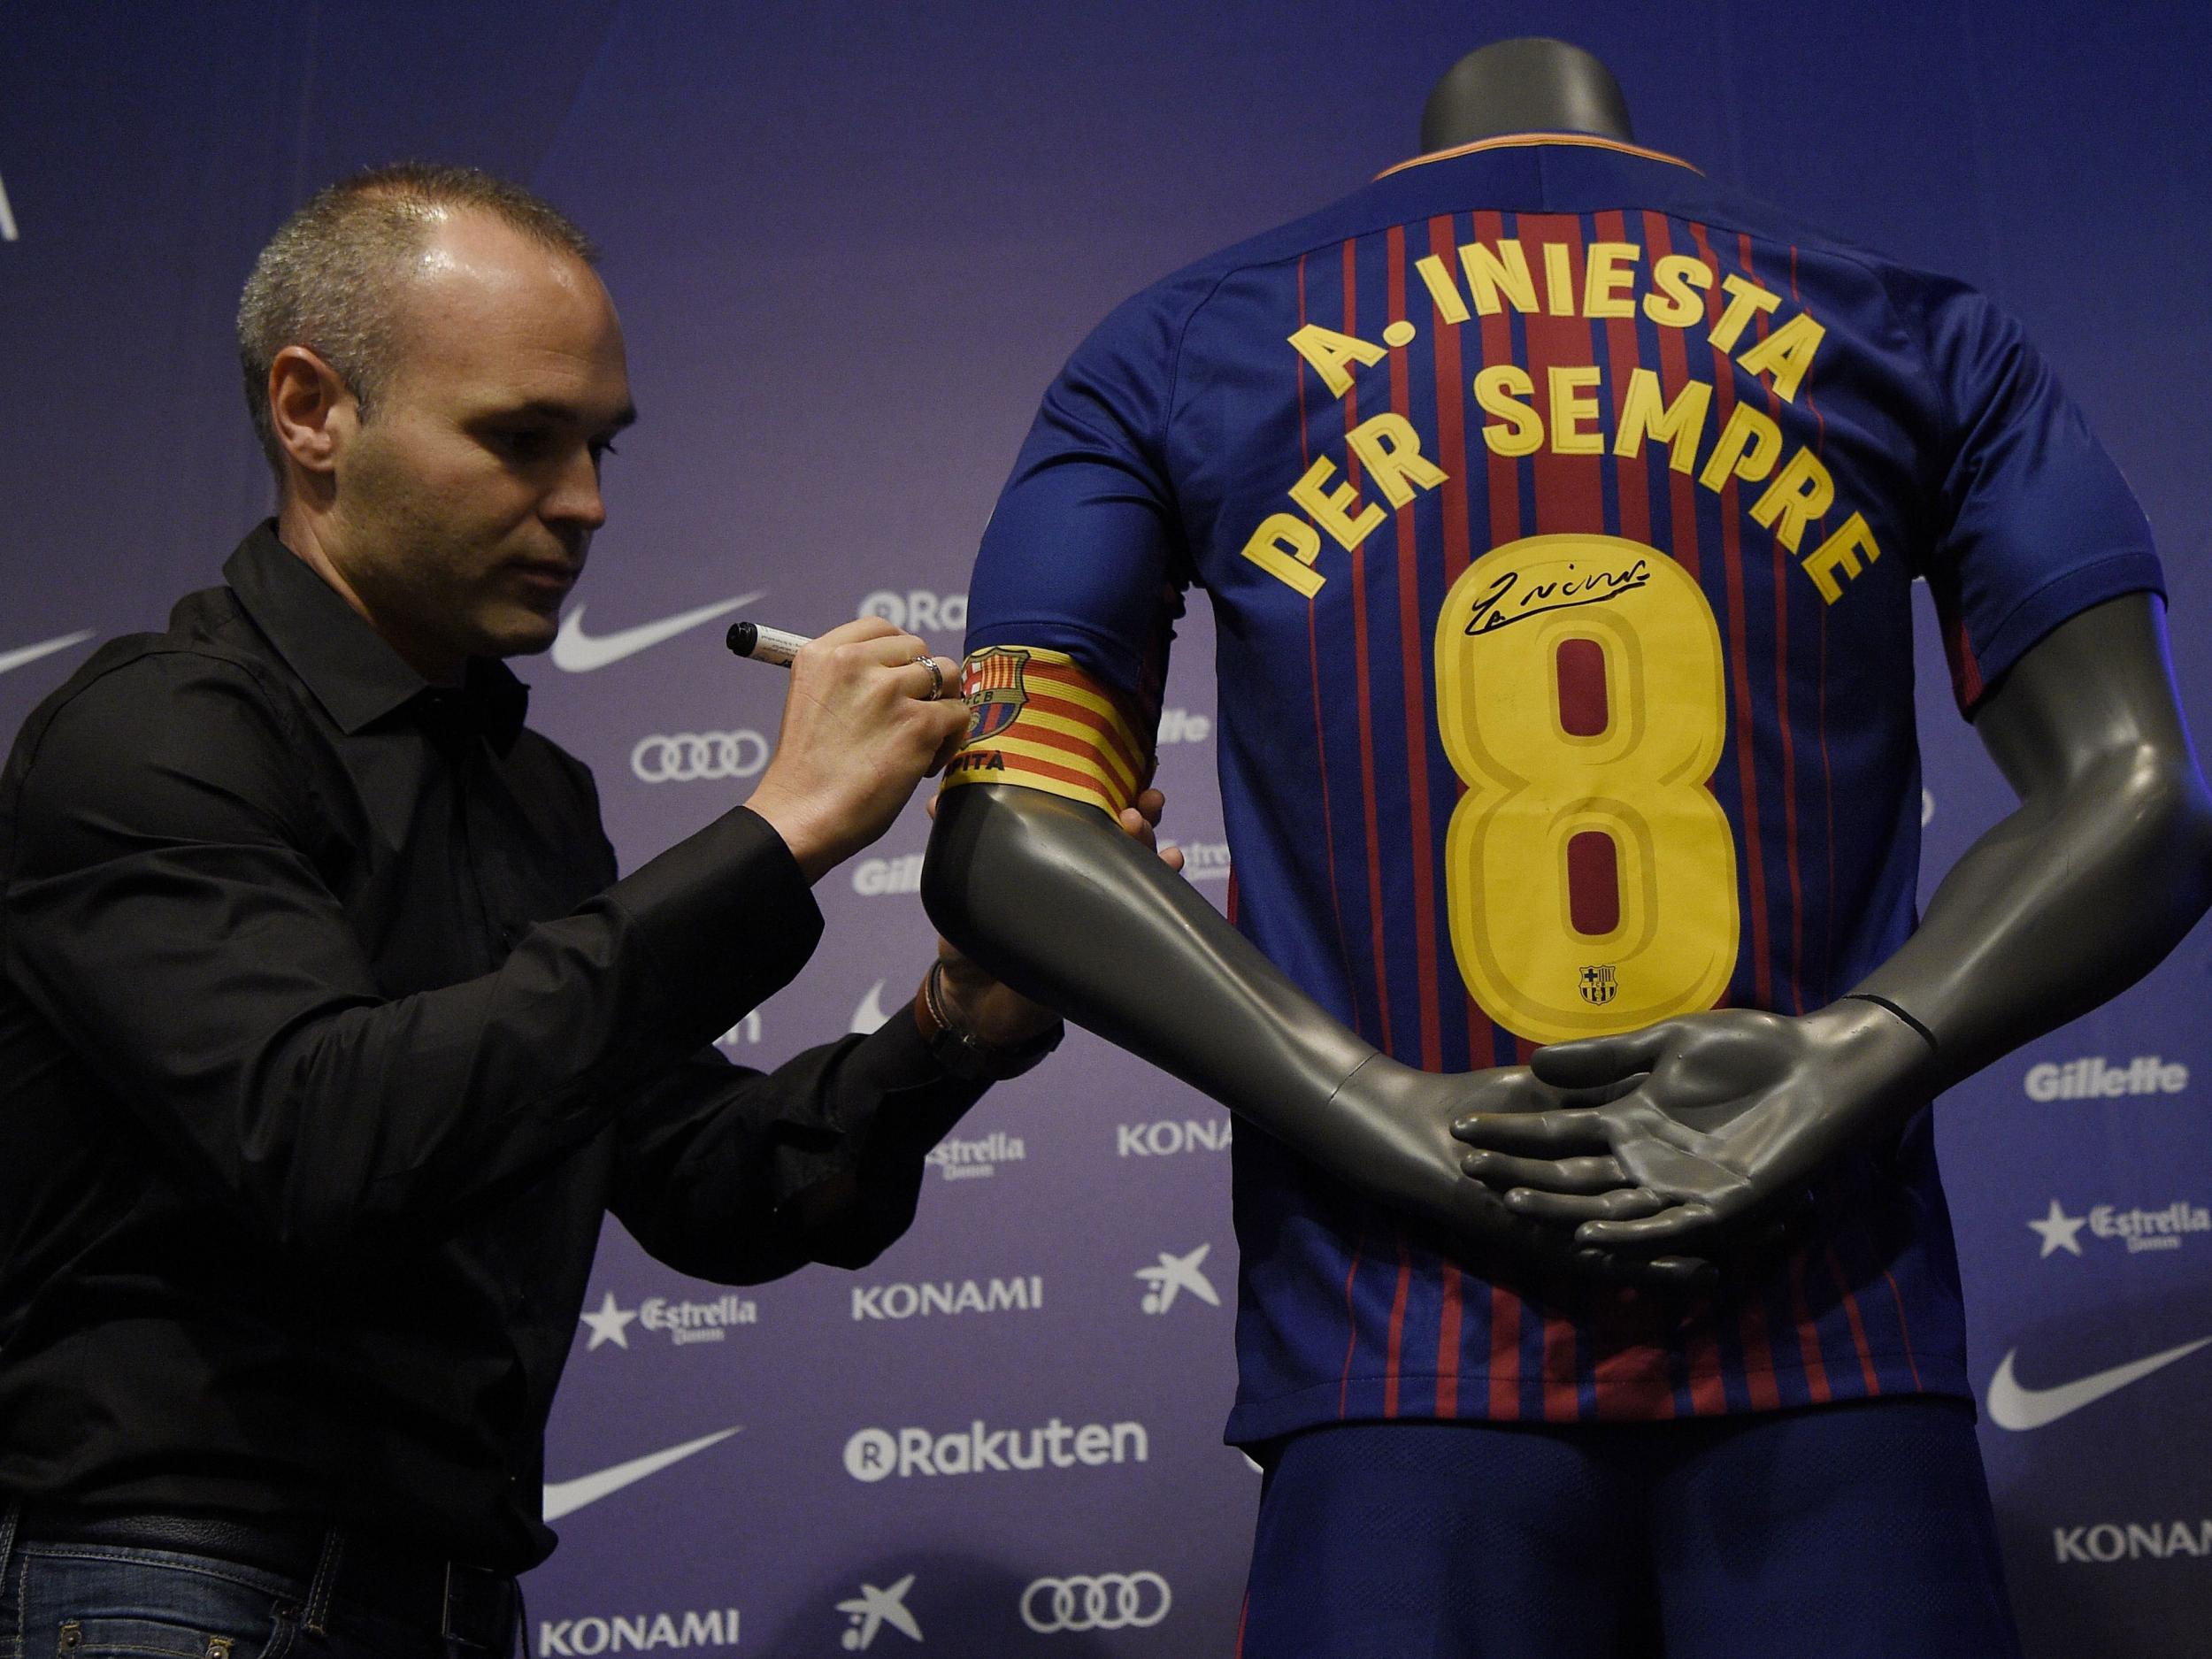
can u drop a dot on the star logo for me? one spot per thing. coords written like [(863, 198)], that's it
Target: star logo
[(2059, 1230), (611, 1324), (873, 1608), (1176, 1274)]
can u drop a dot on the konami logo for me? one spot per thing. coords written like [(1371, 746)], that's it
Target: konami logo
[(962, 1295), (2156, 1541), (717, 1627), (1165, 1137)]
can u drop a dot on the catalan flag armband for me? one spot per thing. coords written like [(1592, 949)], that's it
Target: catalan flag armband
[(1037, 720)]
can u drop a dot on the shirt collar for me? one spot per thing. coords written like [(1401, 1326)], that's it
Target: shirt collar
[(355, 675), (1523, 141)]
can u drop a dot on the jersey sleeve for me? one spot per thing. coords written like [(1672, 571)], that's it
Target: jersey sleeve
[(1080, 578), (2035, 522)]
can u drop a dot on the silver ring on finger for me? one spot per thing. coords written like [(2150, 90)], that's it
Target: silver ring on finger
[(936, 677)]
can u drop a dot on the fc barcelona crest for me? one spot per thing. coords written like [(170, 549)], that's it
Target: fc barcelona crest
[(991, 684), (1598, 985)]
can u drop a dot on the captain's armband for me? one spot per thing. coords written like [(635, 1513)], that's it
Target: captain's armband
[(1037, 720)]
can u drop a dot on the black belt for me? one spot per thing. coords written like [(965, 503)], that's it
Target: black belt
[(464, 1603)]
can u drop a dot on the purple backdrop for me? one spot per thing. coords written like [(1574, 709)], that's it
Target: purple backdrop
[(851, 243)]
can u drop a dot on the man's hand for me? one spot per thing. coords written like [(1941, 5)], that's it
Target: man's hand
[(998, 1015), (1730, 1112), (859, 733)]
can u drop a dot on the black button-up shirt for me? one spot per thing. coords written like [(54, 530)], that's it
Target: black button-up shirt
[(326, 1038)]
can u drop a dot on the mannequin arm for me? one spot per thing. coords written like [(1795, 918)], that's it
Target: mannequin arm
[(1049, 896), (2101, 872), (2104, 866)]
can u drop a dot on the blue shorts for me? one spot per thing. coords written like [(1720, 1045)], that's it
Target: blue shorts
[(1828, 1533)]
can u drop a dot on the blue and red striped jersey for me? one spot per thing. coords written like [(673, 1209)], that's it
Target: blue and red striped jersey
[(1560, 511)]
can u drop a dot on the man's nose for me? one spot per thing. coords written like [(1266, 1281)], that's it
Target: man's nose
[(575, 497)]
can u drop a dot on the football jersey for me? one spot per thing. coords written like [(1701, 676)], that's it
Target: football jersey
[(1560, 512)]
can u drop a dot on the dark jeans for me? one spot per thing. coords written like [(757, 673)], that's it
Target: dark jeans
[(76, 1601)]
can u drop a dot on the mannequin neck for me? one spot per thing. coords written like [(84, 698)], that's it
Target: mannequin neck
[(1523, 85)]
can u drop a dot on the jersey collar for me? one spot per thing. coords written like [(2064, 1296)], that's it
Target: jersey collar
[(1523, 141)]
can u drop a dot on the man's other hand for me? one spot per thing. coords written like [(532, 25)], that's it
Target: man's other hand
[(1000, 1016), (860, 731)]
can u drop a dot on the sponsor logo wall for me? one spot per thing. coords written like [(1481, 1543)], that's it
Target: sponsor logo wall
[(1003, 1436)]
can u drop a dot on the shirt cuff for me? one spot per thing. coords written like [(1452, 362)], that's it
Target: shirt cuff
[(917, 1102), (727, 918)]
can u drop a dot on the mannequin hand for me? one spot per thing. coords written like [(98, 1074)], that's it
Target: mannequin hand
[(1733, 1111), (1400, 1150), (999, 1016)]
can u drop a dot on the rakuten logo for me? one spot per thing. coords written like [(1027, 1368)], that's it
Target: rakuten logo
[(2092, 1078), (917, 610), (874, 877), (715, 1628), (1180, 726), (874, 1455), (1168, 1136), (965, 1296), (969, 1160), (2108, 1542)]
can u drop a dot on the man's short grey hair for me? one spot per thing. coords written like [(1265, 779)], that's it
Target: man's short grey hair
[(328, 279)]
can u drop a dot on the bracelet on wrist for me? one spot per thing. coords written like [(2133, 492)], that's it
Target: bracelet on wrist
[(963, 1053)]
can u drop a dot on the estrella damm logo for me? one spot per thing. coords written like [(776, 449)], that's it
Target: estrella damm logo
[(991, 685), (1598, 985)]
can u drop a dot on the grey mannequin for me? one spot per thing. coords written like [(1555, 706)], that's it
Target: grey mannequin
[(1643, 1157)]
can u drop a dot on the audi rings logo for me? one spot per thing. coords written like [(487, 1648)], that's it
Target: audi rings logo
[(690, 756), (1106, 1600)]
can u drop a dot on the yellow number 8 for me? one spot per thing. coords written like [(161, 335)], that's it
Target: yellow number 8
[(1591, 877)]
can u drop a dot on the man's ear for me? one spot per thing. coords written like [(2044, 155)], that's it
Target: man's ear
[(311, 410)]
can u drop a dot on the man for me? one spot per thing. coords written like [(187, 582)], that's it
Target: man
[(328, 1035), (1560, 511)]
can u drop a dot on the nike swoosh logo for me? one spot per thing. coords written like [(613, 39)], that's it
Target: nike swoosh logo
[(579, 652), (565, 1497), (45, 647), (2012, 1406)]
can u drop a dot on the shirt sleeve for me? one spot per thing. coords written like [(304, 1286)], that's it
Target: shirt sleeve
[(1080, 578), (2035, 522), (737, 1176), (164, 911)]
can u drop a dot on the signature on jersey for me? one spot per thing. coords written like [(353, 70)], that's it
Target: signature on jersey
[(1510, 601)]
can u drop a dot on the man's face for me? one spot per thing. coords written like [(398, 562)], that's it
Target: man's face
[(465, 503)]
